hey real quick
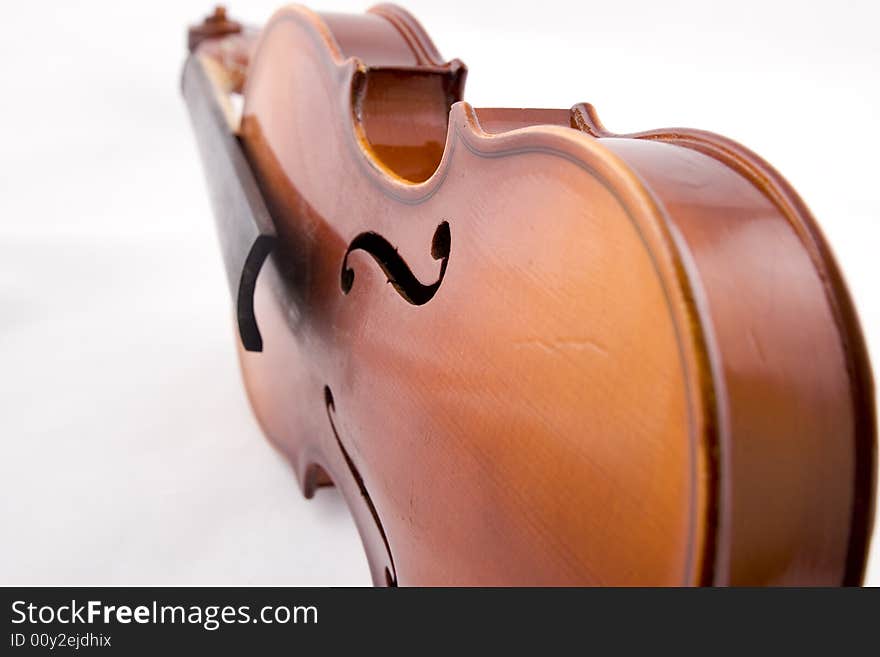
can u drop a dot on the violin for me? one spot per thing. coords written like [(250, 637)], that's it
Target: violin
[(526, 349)]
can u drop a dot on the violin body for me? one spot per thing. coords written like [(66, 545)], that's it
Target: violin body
[(528, 350)]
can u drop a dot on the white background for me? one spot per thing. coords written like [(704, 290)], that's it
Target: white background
[(129, 454)]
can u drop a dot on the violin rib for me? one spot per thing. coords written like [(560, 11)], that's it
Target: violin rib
[(531, 351)]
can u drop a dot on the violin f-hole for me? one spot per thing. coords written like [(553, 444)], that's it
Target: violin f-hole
[(390, 574), (398, 272)]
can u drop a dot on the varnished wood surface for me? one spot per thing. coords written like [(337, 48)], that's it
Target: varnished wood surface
[(639, 365)]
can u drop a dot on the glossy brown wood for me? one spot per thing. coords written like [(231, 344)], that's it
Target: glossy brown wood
[(640, 366)]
